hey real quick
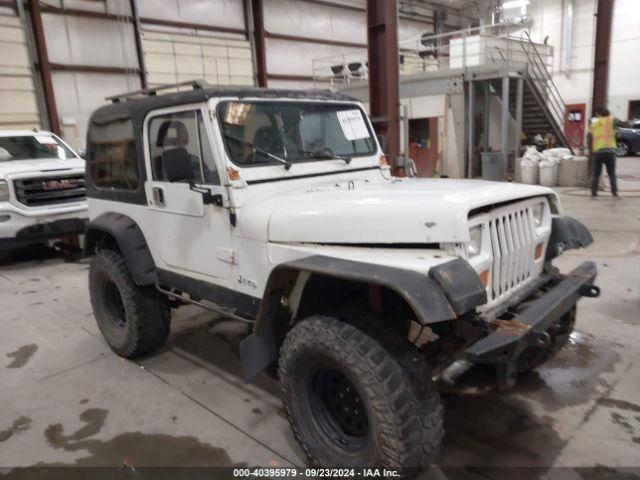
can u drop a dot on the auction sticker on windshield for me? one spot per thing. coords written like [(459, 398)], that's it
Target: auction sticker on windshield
[(352, 124)]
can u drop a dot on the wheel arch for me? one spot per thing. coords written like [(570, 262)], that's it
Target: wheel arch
[(114, 230), (450, 290)]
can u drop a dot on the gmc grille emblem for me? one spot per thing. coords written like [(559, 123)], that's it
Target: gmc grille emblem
[(64, 184)]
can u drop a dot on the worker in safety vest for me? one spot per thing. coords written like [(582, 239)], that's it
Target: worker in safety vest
[(603, 145)]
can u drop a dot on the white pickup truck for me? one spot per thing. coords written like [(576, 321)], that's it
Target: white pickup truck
[(42, 189)]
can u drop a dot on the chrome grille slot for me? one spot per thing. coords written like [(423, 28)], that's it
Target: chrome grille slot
[(44, 191), (512, 246)]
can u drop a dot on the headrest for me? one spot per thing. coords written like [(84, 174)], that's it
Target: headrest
[(172, 133)]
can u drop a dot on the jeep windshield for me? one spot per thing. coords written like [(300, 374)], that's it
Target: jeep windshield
[(263, 133), (30, 147)]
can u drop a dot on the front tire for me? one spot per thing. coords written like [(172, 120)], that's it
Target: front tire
[(350, 402), (133, 320)]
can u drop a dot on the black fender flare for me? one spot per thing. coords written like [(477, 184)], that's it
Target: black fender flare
[(567, 233), (131, 242), (448, 291)]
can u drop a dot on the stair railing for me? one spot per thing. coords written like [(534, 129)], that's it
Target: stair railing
[(541, 79)]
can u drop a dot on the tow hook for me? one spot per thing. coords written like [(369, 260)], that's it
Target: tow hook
[(589, 291), (541, 340)]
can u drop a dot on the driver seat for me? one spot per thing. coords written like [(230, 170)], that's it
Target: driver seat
[(174, 164)]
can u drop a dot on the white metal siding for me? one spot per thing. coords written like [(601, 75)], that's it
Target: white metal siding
[(18, 104), (174, 58)]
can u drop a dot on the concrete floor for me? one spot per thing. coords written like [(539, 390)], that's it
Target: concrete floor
[(66, 399)]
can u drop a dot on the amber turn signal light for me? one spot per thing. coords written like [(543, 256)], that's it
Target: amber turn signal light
[(233, 174), (539, 250), (484, 277)]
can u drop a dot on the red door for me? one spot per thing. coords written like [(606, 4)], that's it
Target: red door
[(423, 145), (574, 122)]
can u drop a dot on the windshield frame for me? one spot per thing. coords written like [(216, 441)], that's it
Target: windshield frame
[(271, 163), (34, 134)]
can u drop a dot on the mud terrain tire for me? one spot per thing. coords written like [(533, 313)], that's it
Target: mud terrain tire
[(133, 320), (328, 367)]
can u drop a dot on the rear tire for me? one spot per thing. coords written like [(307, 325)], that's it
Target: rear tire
[(133, 320), (351, 403)]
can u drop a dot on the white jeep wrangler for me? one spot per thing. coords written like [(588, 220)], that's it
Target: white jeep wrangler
[(42, 189), (277, 209)]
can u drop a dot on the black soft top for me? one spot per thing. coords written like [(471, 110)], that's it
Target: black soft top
[(137, 108), (134, 108)]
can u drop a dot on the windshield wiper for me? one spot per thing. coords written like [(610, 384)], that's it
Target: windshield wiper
[(256, 149), (327, 153)]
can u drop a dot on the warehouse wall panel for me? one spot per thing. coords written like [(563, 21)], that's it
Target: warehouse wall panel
[(412, 30), (176, 57), (221, 13), (576, 83), (89, 41), (305, 19), (121, 7), (82, 94), (79, 42), (18, 104), (286, 57), (294, 17), (624, 77)]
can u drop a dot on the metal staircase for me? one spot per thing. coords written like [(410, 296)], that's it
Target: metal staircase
[(543, 109), (472, 67)]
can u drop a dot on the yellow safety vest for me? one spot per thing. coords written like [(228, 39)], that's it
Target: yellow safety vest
[(603, 133)]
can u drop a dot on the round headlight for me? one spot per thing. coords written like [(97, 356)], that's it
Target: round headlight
[(538, 212), (474, 247)]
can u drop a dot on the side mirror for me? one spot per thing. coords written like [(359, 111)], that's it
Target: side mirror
[(82, 153), (383, 142), (208, 198)]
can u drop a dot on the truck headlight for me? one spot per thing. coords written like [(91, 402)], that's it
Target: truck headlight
[(538, 212), (4, 190), (474, 247)]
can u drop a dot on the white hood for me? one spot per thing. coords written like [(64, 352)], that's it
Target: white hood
[(20, 167), (397, 211)]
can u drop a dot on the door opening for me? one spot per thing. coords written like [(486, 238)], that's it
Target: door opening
[(423, 145), (574, 123), (634, 110)]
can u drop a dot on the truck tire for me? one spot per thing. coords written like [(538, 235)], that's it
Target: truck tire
[(133, 320), (351, 403)]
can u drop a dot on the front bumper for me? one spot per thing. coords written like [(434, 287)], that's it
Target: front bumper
[(529, 328), (44, 230)]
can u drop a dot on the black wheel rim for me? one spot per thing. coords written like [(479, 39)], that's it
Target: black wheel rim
[(115, 305), (338, 409)]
